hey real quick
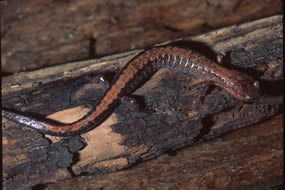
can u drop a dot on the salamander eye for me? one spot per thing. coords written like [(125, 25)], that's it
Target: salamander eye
[(256, 84)]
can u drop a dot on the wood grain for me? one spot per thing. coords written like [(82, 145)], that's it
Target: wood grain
[(37, 34)]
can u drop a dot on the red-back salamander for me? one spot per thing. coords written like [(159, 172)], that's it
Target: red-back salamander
[(135, 73)]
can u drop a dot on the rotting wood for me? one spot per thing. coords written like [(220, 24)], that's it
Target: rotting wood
[(174, 118), (250, 158)]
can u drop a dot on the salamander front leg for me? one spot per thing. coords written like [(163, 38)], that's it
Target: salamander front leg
[(220, 57), (104, 81), (204, 89)]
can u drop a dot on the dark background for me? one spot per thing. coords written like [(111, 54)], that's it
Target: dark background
[(36, 34)]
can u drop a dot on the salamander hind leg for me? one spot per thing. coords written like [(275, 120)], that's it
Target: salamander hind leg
[(102, 79), (136, 103)]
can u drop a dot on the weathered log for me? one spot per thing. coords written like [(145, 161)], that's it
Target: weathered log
[(250, 158), (175, 117), (42, 33)]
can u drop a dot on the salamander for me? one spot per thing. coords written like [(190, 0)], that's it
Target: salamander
[(135, 73)]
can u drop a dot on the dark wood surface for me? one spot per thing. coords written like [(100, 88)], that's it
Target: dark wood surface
[(175, 117), (250, 158)]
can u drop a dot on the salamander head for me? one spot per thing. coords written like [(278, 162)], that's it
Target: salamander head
[(253, 92), (245, 88)]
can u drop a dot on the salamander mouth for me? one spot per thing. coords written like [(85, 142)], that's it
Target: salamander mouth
[(249, 98)]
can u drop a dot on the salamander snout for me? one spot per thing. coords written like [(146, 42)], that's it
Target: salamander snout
[(256, 84), (250, 98), (253, 92)]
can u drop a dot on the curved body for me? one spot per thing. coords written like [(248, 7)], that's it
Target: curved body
[(135, 73)]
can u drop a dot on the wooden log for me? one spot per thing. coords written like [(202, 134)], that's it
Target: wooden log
[(250, 158), (36, 34), (177, 119)]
